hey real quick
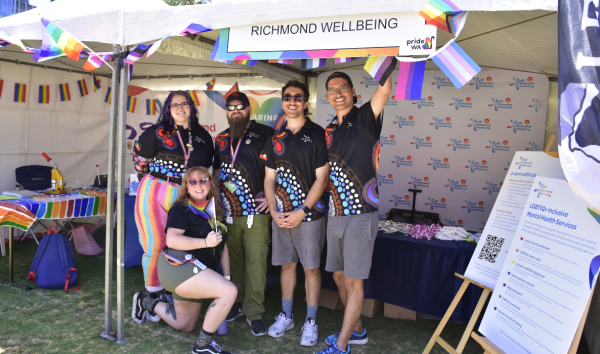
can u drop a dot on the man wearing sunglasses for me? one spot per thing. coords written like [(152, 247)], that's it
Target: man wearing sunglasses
[(241, 178), (296, 175), (353, 146)]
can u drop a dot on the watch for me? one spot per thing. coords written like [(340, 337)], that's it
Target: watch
[(304, 208)]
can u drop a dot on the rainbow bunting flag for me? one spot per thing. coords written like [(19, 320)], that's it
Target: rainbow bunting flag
[(44, 94), (243, 62), (1, 84), (410, 80), (312, 63), (83, 91), (194, 98), (439, 13), (380, 68), (344, 60), (456, 64), (150, 107), (20, 92), (5, 40), (194, 28), (154, 47), (234, 88), (96, 83), (65, 93), (211, 85), (282, 61), (136, 54), (61, 42), (107, 99), (131, 101)]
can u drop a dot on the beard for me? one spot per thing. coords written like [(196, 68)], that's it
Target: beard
[(238, 126)]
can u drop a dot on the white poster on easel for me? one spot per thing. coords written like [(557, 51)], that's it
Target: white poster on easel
[(502, 223), (548, 275)]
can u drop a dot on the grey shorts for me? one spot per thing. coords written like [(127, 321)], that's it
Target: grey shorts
[(303, 243), (350, 242), (171, 276)]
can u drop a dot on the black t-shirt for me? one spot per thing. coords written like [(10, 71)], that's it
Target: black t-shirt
[(155, 142), (296, 157), (353, 162), (181, 217), (248, 173)]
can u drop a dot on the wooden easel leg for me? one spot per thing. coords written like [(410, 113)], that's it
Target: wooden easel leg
[(473, 320)]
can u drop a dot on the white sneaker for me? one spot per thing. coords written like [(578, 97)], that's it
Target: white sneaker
[(281, 325), (310, 333)]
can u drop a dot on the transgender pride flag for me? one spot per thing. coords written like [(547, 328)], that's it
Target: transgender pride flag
[(456, 64), (312, 63)]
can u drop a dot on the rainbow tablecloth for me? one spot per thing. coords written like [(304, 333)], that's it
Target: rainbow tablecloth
[(65, 206)]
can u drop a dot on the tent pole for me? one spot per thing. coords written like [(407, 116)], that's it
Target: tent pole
[(110, 217), (121, 152)]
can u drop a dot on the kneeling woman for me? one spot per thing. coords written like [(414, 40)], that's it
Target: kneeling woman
[(187, 265)]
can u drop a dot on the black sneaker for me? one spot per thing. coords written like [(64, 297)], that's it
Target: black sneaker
[(259, 328), (137, 312), (235, 312), (212, 348)]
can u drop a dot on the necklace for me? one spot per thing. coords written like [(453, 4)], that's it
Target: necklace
[(230, 185)]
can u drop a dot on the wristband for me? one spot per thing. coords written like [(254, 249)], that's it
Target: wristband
[(304, 208), (228, 277)]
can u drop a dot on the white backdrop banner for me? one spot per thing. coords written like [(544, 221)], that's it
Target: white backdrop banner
[(454, 145)]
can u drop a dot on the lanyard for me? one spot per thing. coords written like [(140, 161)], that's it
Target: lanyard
[(186, 154), (237, 149)]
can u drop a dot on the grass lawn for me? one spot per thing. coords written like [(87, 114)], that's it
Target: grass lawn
[(52, 321)]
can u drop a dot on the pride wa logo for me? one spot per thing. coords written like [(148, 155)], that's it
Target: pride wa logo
[(369, 81), (425, 102), (537, 104), (381, 179), (543, 191), (492, 187), (388, 140), (533, 147), (437, 163), (477, 166), (441, 122), (498, 146), (472, 206), (419, 182), (460, 144), (522, 163), (403, 161), (456, 185), (400, 200), (520, 126), (436, 204), (405, 122), (442, 82), (419, 142), (501, 104), (461, 103), (522, 83), (480, 124), (482, 83)]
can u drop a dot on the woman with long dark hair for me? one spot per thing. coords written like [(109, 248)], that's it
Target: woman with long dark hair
[(187, 266), (161, 156)]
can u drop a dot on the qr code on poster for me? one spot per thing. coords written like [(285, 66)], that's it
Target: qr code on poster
[(491, 248)]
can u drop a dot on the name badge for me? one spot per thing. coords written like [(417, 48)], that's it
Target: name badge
[(230, 185)]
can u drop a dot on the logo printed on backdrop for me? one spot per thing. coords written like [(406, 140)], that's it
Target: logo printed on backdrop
[(492, 187), (441, 123), (506, 168), (480, 124), (369, 81), (391, 101), (516, 126), (419, 182), (434, 203), (523, 163), (404, 122), (453, 223), (498, 146), (498, 104), (455, 185), (537, 104), (481, 228), (400, 200), (533, 147), (425, 102), (381, 179), (483, 83), (477, 166), (471, 206), (460, 144), (543, 191), (323, 100), (403, 161), (442, 82), (461, 103), (421, 142), (331, 116), (522, 83), (436, 163), (388, 140)]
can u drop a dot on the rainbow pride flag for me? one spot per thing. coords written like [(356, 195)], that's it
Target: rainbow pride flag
[(211, 84), (44, 94), (194, 28), (96, 83), (312, 63), (234, 88), (83, 91), (20, 92), (65, 93), (107, 98), (439, 14), (243, 62), (282, 61), (131, 101), (456, 64), (136, 54), (62, 43), (205, 209), (150, 107), (194, 98), (410, 81), (380, 68)]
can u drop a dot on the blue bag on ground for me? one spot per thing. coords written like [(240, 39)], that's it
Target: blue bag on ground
[(54, 264)]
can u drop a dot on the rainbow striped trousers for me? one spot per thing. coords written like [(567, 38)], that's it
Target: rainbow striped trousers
[(152, 205)]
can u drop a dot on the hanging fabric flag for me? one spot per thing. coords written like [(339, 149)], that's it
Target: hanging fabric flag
[(5, 40), (410, 80), (20, 92), (194, 98), (107, 99), (281, 61), (96, 83), (456, 64), (234, 88), (380, 68), (150, 107), (83, 91), (136, 54), (312, 63), (439, 14), (344, 60), (44, 94), (130, 73), (211, 85), (95, 61), (65, 93), (62, 42), (457, 22), (131, 101), (194, 28), (1, 84), (154, 47)]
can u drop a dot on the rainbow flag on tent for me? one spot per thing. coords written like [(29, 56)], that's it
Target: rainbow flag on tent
[(62, 42), (131, 102), (194, 28), (107, 98), (380, 68), (96, 83), (194, 98), (44, 94), (439, 13), (410, 80), (20, 92), (312, 63), (211, 84), (83, 91), (65, 93), (456, 64), (150, 107), (136, 54), (282, 61), (243, 62), (234, 88)]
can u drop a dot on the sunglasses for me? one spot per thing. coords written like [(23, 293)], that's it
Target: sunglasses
[(175, 106), (193, 182), (297, 98), (232, 107)]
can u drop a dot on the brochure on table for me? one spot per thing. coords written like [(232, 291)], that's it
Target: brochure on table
[(500, 228), (547, 278)]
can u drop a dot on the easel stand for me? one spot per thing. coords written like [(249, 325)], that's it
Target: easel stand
[(436, 338)]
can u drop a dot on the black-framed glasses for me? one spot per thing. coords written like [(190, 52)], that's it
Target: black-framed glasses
[(176, 106), (193, 182), (341, 89), (239, 107), (297, 98)]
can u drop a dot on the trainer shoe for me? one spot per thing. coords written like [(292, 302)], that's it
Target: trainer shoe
[(235, 312), (310, 333), (137, 312), (333, 349), (152, 316), (355, 338), (259, 328), (281, 325), (212, 348)]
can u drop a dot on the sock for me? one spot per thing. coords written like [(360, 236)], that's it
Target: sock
[(311, 312), (204, 338), (287, 307), (149, 303)]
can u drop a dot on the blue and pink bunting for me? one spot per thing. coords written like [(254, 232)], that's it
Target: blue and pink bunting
[(136, 54), (194, 28), (456, 64), (312, 63), (410, 81)]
